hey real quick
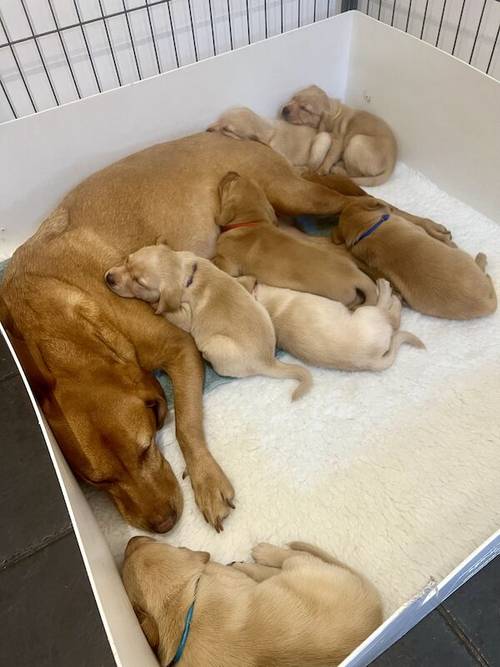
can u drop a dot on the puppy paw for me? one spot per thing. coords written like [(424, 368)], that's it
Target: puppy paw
[(270, 555), (213, 492), (438, 232)]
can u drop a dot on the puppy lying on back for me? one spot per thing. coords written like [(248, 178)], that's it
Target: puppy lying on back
[(232, 331), (296, 607), (303, 146), (323, 332), (433, 278), (251, 244), (363, 146)]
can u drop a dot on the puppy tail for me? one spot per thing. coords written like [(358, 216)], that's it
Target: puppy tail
[(293, 371), (398, 339)]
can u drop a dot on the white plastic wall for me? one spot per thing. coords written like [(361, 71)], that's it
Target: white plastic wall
[(446, 115), (262, 17), (43, 156)]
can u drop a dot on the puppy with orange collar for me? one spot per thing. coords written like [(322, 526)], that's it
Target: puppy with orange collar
[(251, 244)]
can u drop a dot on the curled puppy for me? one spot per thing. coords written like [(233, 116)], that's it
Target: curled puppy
[(433, 278), (363, 145), (303, 146), (291, 607), (232, 331), (325, 333), (251, 244)]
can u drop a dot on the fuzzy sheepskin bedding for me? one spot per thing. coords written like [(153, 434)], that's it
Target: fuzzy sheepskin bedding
[(397, 473)]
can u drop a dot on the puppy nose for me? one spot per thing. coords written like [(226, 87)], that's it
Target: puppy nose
[(286, 111), (110, 279), (165, 524)]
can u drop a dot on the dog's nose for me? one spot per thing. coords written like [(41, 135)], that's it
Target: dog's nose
[(110, 279), (165, 524), (285, 112)]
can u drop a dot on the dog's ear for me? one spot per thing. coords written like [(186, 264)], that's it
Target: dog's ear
[(170, 299), (226, 215), (337, 237), (159, 407), (248, 282), (150, 628)]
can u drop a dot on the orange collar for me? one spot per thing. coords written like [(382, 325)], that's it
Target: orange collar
[(235, 225)]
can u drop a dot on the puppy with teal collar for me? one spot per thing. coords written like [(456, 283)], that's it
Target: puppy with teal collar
[(290, 607)]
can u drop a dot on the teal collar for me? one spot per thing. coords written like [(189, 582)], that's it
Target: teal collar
[(371, 229), (187, 628)]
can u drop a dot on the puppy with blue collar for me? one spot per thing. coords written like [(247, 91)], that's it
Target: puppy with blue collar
[(290, 607), (433, 276)]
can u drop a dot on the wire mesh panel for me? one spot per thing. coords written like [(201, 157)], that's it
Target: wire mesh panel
[(56, 51), (468, 29)]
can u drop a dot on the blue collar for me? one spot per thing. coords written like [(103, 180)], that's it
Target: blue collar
[(371, 229), (187, 628)]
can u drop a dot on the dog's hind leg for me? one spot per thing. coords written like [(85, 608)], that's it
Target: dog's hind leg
[(257, 572)]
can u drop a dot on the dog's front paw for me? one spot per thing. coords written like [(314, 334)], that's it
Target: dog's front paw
[(213, 492)]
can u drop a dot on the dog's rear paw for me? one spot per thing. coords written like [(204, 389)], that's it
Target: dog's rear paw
[(213, 492), (268, 554)]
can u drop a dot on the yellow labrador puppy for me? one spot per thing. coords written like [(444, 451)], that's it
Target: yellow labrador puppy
[(433, 277), (323, 332), (303, 146), (363, 146), (296, 607), (232, 331)]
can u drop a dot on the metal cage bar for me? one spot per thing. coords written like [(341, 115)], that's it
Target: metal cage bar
[(178, 32)]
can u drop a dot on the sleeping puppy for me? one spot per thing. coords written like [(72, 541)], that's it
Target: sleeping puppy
[(363, 146), (325, 333), (232, 331), (432, 277), (251, 244), (303, 146), (292, 607)]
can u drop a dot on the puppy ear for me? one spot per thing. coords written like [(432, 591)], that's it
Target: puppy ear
[(150, 628), (337, 237), (204, 556), (226, 215), (248, 282), (170, 299)]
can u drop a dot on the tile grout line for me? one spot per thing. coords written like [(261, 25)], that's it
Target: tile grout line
[(9, 376), (460, 633), (34, 549)]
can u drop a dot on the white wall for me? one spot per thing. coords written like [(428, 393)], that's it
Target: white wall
[(445, 114), (468, 26), (60, 74)]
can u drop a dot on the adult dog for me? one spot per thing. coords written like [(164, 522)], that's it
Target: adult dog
[(89, 354)]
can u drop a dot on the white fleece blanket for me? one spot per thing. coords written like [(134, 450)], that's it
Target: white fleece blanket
[(397, 473)]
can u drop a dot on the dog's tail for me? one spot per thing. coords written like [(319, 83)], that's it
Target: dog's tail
[(280, 370), (372, 181), (398, 339)]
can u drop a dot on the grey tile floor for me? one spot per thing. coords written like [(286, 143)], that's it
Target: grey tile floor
[(48, 616)]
